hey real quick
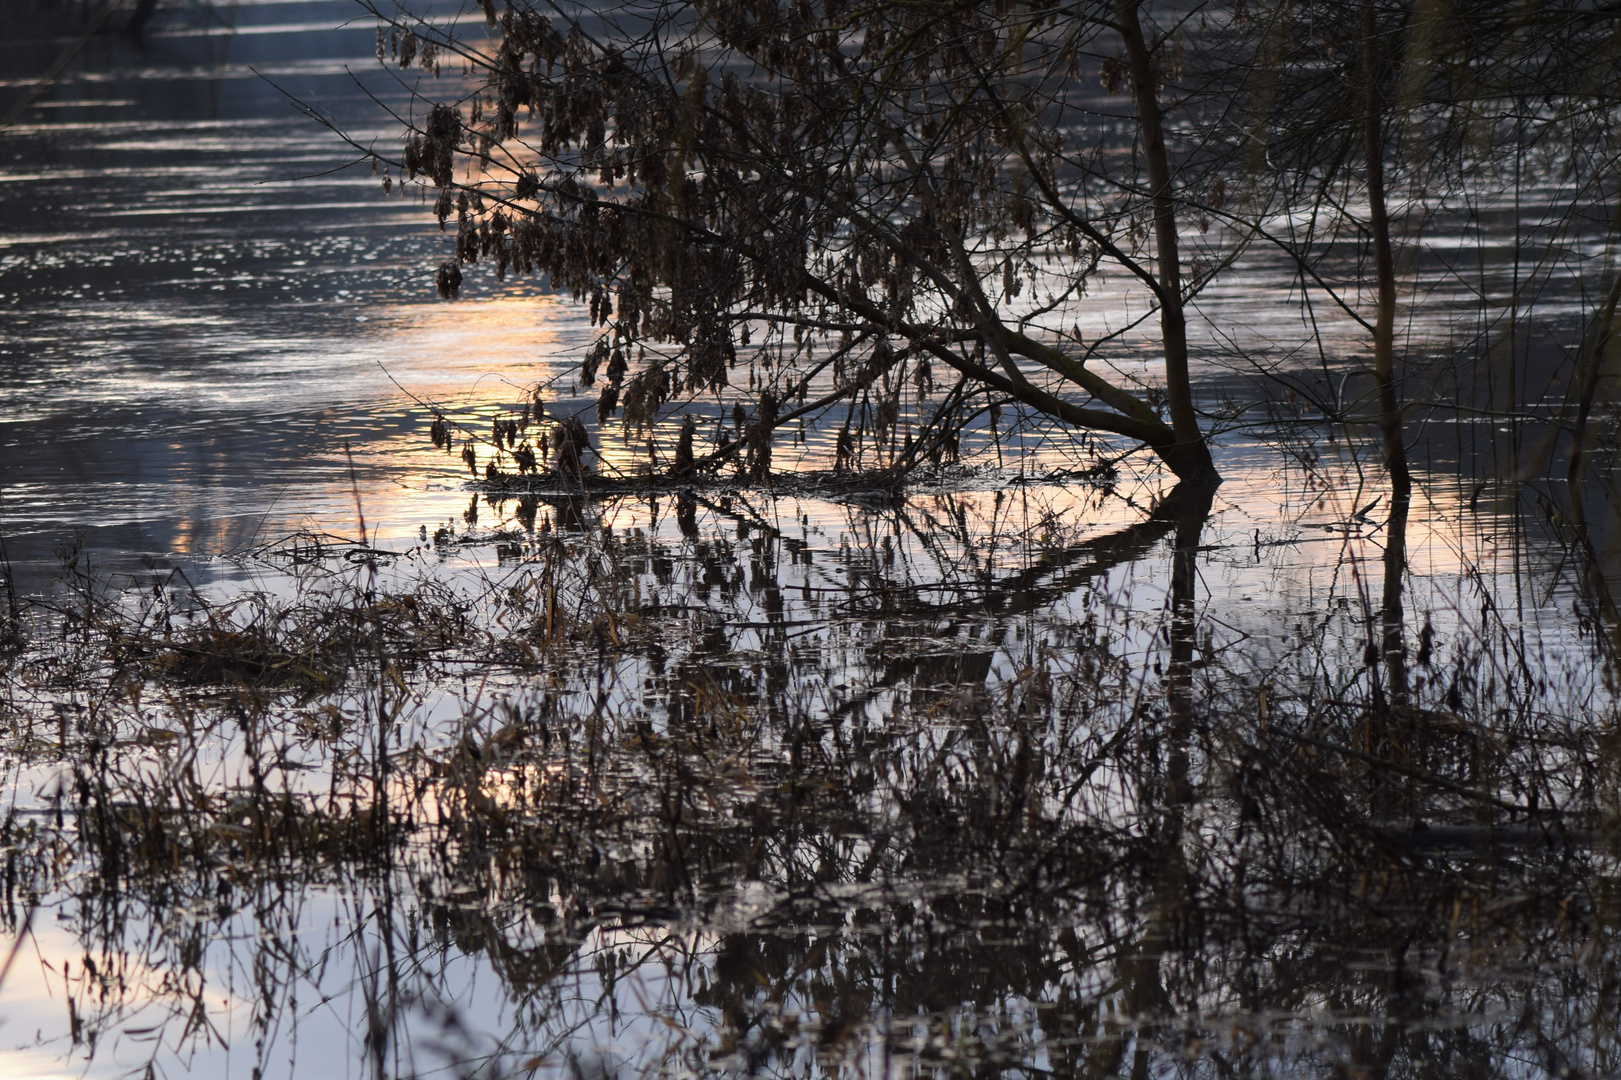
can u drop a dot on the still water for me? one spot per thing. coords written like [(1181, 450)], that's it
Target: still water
[(203, 304), (219, 333), (192, 330)]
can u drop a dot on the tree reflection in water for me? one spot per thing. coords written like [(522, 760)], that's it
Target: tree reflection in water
[(696, 810)]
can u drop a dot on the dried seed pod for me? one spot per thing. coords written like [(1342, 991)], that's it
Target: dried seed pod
[(923, 377), (571, 443), (646, 395), (685, 462), (593, 360), (608, 402), (758, 437), (449, 280)]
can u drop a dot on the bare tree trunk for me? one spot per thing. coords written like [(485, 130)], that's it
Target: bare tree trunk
[(1589, 371), (1588, 374), (1190, 457), (1392, 648)]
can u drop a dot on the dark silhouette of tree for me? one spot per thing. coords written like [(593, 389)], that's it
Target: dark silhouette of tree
[(1370, 120), (890, 194)]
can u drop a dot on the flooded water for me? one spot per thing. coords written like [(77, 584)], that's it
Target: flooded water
[(1002, 777), (202, 305)]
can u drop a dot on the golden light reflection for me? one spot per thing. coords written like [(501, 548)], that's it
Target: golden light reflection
[(479, 360)]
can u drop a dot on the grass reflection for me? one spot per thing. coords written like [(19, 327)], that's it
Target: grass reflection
[(975, 783)]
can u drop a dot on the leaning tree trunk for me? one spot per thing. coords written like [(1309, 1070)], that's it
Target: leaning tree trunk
[(1189, 455)]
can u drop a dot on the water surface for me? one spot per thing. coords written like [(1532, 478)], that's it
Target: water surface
[(764, 823)]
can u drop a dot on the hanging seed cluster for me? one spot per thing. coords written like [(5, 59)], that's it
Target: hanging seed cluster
[(506, 439)]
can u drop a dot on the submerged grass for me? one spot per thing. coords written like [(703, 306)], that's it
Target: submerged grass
[(712, 802)]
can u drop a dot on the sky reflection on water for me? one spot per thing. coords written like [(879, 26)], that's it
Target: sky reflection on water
[(192, 334)]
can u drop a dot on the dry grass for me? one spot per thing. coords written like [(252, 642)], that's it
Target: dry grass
[(865, 845)]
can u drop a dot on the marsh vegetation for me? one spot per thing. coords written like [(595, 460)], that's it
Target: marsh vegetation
[(674, 789), (1057, 540)]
